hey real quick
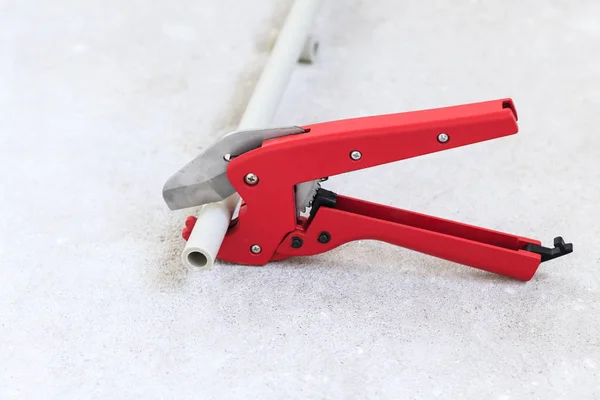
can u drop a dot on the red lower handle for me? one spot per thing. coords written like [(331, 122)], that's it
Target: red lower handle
[(354, 219)]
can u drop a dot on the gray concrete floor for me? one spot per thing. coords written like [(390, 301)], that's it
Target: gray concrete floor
[(100, 102)]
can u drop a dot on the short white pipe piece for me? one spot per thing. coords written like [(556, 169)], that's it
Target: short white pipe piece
[(206, 238)]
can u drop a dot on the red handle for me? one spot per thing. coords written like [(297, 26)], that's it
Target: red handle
[(325, 150), (280, 164), (353, 219)]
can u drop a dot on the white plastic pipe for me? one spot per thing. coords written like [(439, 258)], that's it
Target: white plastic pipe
[(206, 238)]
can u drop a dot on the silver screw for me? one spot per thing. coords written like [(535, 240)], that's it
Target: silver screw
[(251, 179), (255, 249), (356, 155), (443, 137)]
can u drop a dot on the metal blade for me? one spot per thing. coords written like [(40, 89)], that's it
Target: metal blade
[(204, 179)]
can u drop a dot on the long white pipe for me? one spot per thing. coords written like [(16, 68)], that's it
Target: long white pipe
[(206, 238)]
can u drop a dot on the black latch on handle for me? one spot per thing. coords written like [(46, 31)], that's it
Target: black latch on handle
[(560, 249)]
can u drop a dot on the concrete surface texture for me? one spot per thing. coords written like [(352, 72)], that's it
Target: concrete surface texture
[(100, 102)]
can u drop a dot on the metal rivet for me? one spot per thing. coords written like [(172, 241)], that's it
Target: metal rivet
[(251, 179), (255, 249), (297, 242), (443, 137), (324, 237), (356, 155)]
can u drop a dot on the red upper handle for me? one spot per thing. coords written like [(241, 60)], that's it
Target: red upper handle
[(388, 138)]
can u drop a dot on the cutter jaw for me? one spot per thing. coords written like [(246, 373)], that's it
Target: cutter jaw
[(204, 179)]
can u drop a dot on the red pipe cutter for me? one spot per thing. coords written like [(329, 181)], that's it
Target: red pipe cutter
[(284, 213)]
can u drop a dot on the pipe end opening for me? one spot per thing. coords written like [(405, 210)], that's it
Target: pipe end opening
[(197, 259)]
